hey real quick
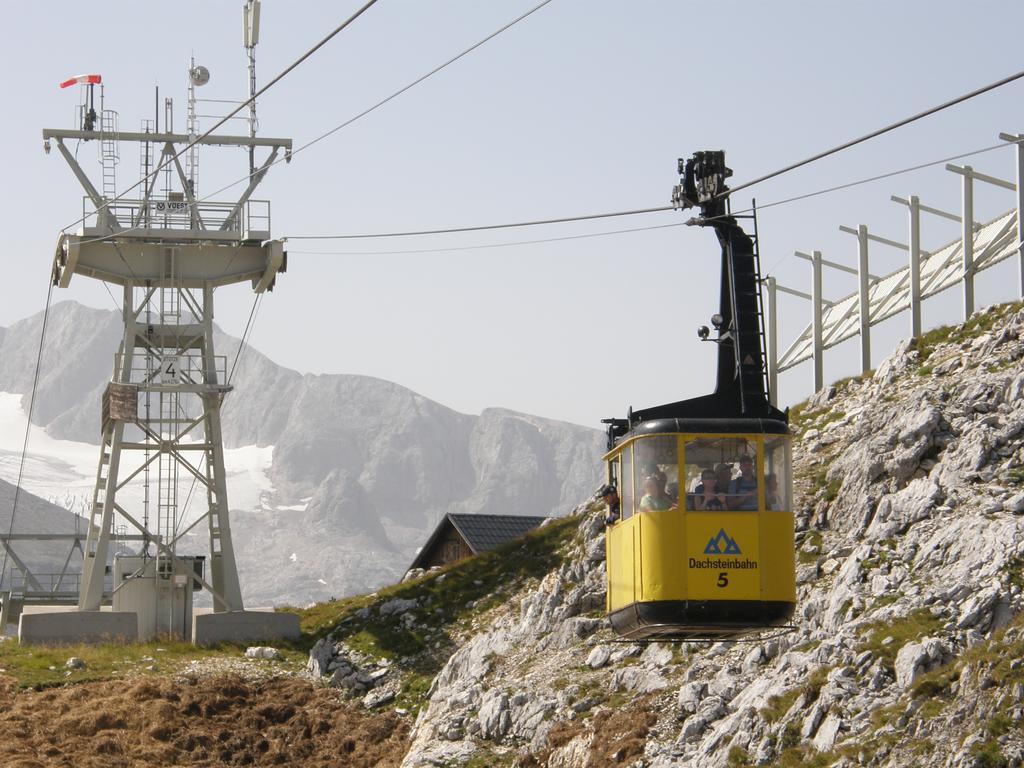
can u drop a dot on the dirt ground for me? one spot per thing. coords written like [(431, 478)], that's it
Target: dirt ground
[(209, 721)]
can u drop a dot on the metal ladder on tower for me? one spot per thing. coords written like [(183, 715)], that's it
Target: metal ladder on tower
[(760, 307), (109, 153), (99, 493), (147, 157), (748, 317), (167, 472), (192, 158)]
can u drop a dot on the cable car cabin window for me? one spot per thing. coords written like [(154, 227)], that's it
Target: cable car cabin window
[(778, 485), (613, 473), (721, 475), (626, 487), (656, 473)]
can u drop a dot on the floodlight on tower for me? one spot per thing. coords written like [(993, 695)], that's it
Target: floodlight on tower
[(199, 75)]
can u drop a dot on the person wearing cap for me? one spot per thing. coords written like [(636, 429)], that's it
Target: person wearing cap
[(610, 496)]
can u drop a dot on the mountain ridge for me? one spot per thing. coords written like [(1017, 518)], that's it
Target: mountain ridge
[(412, 459)]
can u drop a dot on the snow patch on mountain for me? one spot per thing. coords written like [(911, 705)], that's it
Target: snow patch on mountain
[(64, 471)]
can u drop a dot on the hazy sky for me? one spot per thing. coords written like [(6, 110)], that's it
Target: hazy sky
[(583, 107)]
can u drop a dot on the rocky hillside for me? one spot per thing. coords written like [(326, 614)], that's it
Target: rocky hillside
[(909, 639)]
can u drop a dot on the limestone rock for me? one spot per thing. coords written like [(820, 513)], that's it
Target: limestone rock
[(320, 657), (263, 652), (914, 659), (599, 656), (397, 606)]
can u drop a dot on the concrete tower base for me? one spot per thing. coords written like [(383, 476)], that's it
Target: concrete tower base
[(54, 625), (210, 628)]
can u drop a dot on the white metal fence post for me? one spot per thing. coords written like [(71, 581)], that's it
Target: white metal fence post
[(816, 312), (773, 342), (1018, 138), (1020, 210), (864, 283), (915, 266), (967, 217)]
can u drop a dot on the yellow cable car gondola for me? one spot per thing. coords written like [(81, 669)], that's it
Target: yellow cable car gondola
[(701, 544)]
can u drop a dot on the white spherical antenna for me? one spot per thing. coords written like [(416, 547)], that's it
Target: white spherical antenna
[(199, 75)]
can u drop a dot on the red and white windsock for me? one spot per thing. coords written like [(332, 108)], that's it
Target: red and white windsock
[(83, 80)]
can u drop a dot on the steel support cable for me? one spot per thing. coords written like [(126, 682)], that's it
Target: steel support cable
[(481, 228), (879, 177), (805, 196), (28, 427), (733, 190), (878, 132), (379, 104), (487, 246), (245, 334), (177, 155)]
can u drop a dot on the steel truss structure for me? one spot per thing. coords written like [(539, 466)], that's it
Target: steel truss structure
[(878, 298), (161, 409)]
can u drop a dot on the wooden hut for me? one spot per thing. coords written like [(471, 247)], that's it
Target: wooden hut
[(459, 536)]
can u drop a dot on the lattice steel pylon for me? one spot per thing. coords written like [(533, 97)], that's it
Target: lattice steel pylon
[(161, 409)]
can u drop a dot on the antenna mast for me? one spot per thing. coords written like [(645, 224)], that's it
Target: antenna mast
[(250, 37)]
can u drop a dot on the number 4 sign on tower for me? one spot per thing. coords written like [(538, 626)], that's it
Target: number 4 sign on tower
[(170, 372)]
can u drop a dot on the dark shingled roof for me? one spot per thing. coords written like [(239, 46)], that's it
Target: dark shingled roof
[(481, 532), (486, 532)]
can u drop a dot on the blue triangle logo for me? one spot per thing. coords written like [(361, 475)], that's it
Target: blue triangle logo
[(722, 544)]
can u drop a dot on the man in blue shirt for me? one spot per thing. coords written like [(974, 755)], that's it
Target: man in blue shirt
[(743, 489)]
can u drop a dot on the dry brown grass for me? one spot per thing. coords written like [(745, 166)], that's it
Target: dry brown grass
[(214, 721)]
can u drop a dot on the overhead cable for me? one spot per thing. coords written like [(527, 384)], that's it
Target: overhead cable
[(28, 429), (493, 245), (382, 102), (879, 132), (605, 233), (732, 191), (887, 175), (483, 227), (256, 303), (234, 112)]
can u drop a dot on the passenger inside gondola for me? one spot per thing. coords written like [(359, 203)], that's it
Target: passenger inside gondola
[(743, 488), (707, 496), (771, 493), (655, 499)]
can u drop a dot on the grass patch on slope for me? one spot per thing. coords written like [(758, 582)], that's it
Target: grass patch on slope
[(42, 666), (913, 626), (448, 603), (980, 322), (480, 580)]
